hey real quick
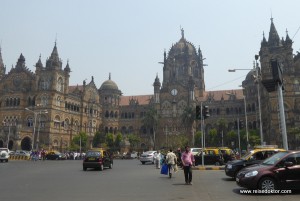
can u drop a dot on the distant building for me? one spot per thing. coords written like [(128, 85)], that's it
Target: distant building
[(60, 111)]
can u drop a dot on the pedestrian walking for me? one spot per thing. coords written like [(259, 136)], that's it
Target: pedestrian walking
[(188, 161), (171, 160), (157, 159)]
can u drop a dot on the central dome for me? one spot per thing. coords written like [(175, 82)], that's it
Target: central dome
[(109, 85), (182, 47)]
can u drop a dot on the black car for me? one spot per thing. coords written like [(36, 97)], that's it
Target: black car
[(55, 155), (255, 156), (98, 159), (209, 159), (280, 171)]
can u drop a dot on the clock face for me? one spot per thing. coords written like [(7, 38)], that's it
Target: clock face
[(174, 92)]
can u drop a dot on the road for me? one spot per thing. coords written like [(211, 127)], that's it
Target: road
[(127, 181)]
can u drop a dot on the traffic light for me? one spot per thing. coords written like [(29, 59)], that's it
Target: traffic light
[(241, 124), (205, 111), (198, 112)]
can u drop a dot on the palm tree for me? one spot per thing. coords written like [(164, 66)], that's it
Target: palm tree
[(150, 121)]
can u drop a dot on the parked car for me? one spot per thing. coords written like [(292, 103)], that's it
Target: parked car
[(4, 154), (147, 156), (98, 159), (227, 153), (195, 150), (280, 171), (22, 153), (134, 154), (210, 158), (255, 156), (55, 155)]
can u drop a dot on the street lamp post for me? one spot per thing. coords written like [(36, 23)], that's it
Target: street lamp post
[(258, 94), (8, 136), (38, 134)]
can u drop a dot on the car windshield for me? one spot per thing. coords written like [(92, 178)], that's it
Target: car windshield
[(273, 159), (93, 153)]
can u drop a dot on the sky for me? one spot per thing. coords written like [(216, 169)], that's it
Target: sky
[(127, 38)]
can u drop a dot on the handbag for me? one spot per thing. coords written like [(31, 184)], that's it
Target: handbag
[(175, 168), (164, 169)]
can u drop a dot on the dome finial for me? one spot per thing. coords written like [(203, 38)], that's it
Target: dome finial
[(182, 32), (109, 77)]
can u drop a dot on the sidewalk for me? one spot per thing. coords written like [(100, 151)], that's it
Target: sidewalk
[(209, 167)]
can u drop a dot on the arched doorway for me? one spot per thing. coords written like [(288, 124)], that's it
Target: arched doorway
[(1, 143), (10, 144), (26, 144)]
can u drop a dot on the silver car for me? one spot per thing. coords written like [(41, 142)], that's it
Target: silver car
[(148, 157)]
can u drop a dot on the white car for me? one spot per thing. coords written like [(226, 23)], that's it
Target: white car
[(133, 154), (4, 154), (195, 150), (148, 157), (22, 153)]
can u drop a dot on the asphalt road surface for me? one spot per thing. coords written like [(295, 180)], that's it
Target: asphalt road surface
[(129, 180)]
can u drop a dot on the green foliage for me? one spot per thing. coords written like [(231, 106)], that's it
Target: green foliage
[(80, 138), (134, 140), (188, 116), (118, 140), (99, 138), (110, 140), (213, 137), (178, 141), (198, 139)]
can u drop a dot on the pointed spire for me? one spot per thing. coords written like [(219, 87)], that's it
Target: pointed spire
[(67, 68), (264, 41), (274, 39), (2, 67), (39, 64), (21, 62), (288, 39), (109, 77), (54, 60)]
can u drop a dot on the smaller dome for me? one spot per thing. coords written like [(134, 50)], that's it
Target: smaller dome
[(109, 85), (251, 75)]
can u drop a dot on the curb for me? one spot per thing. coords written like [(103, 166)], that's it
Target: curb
[(209, 168)]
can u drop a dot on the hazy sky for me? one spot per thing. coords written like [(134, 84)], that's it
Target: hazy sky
[(127, 38)]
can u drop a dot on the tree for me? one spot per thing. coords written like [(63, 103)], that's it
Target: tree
[(198, 139), (110, 140), (213, 137), (98, 139), (80, 141), (150, 121), (118, 140), (134, 140)]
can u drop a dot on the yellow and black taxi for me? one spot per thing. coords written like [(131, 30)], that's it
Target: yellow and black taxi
[(212, 156), (55, 155), (255, 156), (280, 171), (98, 159)]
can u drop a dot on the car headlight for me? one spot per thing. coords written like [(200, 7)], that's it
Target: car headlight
[(229, 166), (251, 174)]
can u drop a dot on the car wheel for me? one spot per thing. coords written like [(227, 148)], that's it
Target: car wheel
[(267, 183), (143, 163), (84, 168), (101, 167), (110, 166), (7, 160)]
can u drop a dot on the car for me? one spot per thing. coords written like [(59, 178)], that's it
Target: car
[(280, 171), (55, 155), (195, 150), (211, 157), (134, 154), (22, 153), (98, 159), (4, 154), (147, 156), (255, 156), (227, 153)]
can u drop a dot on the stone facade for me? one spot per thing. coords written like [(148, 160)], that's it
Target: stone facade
[(60, 111)]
